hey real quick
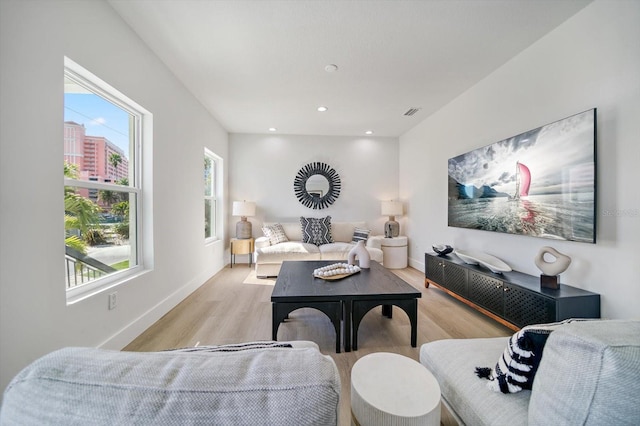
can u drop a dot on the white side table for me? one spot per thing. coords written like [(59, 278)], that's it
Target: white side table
[(395, 252), (391, 389)]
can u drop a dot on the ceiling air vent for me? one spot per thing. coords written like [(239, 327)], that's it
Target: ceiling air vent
[(411, 111)]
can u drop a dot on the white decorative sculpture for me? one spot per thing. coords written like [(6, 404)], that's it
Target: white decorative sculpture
[(362, 253), (551, 270)]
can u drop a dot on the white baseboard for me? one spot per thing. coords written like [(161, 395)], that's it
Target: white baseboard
[(416, 264), (127, 334)]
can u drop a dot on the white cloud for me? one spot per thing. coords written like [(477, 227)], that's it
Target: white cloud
[(98, 121)]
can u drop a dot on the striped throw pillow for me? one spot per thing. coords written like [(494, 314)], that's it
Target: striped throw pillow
[(516, 368), (234, 347), (360, 234)]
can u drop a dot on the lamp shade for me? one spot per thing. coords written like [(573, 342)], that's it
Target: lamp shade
[(391, 208), (244, 208)]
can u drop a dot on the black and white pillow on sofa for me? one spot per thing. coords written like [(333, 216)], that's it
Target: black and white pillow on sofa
[(316, 230), (235, 347), (275, 233), (517, 366), (360, 234)]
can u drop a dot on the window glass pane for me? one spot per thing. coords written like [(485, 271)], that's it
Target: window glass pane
[(97, 136), (208, 176), (97, 236), (208, 210)]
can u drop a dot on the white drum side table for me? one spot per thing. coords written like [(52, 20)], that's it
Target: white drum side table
[(394, 252), (391, 389)]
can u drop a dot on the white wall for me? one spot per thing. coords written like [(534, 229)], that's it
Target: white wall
[(34, 317), (592, 60), (263, 167)]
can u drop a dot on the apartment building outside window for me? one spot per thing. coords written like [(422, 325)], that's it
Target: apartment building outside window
[(103, 133)]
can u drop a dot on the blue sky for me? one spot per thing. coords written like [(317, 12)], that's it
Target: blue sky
[(100, 118)]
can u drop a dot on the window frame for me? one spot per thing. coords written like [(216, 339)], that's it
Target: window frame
[(140, 119)]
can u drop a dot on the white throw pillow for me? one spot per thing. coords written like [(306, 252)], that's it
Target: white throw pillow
[(275, 233)]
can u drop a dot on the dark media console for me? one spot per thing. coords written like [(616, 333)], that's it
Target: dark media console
[(511, 298)]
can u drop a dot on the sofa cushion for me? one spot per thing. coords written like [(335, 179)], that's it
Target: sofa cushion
[(343, 231), (316, 230), (275, 233), (360, 234), (335, 251), (517, 366), (589, 375), (291, 250), (453, 361), (100, 387)]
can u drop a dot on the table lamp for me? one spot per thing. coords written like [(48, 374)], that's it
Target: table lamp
[(243, 209), (391, 209)]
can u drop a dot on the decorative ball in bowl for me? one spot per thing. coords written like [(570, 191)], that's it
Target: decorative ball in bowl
[(442, 249)]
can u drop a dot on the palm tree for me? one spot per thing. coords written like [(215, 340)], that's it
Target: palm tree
[(70, 171), (121, 210), (108, 197), (123, 196), (115, 159), (80, 212)]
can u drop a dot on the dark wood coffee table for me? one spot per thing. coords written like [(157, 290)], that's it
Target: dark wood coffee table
[(348, 299)]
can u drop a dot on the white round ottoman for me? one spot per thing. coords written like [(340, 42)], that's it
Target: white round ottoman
[(391, 389)]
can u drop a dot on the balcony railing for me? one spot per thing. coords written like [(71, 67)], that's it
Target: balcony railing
[(81, 269)]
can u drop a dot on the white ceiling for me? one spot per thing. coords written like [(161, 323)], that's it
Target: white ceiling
[(258, 64)]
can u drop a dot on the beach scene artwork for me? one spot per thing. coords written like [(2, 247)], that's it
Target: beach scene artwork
[(539, 183)]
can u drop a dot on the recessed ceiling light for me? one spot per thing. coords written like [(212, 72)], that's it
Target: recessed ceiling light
[(331, 68), (272, 129), (368, 132), (322, 108)]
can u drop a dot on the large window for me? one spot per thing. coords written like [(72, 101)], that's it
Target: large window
[(103, 186), (211, 162)]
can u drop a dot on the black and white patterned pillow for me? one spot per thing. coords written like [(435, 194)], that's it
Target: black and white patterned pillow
[(234, 347), (360, 234), (516, 368), (316, 230), (275, 233)]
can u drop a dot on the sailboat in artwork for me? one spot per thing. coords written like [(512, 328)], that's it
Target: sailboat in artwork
[(523, 181)]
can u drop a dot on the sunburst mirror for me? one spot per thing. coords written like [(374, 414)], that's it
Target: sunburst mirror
[(317, 185)]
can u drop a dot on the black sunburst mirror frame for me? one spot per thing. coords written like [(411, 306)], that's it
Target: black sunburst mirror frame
[(312, 169)]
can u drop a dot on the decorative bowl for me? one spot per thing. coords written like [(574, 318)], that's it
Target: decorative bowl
[(442, 249), (492, 263)]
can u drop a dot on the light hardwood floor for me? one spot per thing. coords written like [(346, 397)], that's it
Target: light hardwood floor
[(225, 310)]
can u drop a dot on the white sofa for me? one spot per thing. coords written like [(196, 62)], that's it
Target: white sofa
[(589, 374), (243, 384), (269, 258)]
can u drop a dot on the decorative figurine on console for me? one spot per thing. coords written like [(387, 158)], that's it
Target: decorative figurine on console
[(551, 270), (442, 249)]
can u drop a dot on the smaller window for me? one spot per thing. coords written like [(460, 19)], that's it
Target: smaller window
[(210, 195)]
